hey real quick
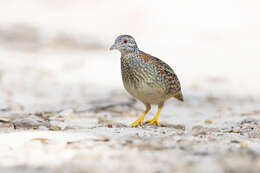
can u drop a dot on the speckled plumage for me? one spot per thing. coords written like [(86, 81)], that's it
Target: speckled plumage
[(147, 78)]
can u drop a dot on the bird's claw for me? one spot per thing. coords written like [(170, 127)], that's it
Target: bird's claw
[(137, 123), (151, 122)]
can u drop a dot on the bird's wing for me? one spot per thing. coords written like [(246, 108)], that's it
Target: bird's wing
[(166, 72)]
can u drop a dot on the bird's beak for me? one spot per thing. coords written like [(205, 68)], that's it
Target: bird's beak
[(113, 47)]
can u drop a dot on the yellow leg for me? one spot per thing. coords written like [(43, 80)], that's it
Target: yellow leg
[(141, 118), (155, 119)]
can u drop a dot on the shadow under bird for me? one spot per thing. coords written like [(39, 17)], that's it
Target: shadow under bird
[(145, 77)]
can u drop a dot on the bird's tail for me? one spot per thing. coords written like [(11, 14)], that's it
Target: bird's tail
[(179, 96)]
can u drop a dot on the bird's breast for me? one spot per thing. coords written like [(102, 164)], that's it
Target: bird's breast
[(141, 81)]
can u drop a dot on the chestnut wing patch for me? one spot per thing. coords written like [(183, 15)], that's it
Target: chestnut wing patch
[(146, 57)]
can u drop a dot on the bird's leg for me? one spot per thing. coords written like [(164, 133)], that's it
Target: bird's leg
[(155, 119), (141, 118)]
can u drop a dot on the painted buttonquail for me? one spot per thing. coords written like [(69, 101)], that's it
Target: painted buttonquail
[(145, 77)]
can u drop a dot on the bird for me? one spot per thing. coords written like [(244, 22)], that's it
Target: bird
[(145, 77)]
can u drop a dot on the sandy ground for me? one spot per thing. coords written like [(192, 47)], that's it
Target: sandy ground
[(63, 107)]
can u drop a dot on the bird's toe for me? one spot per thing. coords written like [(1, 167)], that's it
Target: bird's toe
[(137, 123), (153, 121)]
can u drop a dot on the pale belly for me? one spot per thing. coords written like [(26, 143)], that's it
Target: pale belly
[(147, 94)]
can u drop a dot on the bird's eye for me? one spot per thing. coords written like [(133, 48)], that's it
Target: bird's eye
[(125, 41)]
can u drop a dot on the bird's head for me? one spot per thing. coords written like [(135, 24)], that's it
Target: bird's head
[(124, 43)]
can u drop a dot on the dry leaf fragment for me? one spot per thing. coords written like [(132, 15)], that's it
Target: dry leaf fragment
[(243, 144), (208, 121), (55, 128), (4, 120), (42, 140)]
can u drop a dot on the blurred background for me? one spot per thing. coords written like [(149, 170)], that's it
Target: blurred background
[(54, 55), (53, 48)]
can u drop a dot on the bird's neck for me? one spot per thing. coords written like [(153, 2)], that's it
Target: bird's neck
[(126, 54)]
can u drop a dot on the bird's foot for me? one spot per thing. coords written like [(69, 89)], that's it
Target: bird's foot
[(151, 122), (137, 122)]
